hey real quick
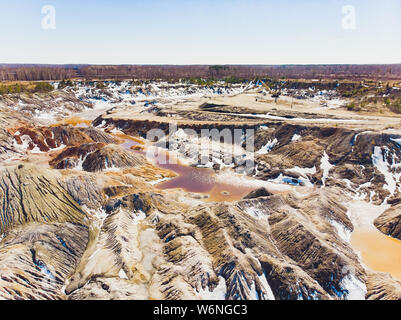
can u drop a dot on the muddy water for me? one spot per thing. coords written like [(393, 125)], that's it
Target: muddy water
[(129, 143), (204, 181), (197, 180), (74, 121), (190, 179), (378, 252), (227, 192)]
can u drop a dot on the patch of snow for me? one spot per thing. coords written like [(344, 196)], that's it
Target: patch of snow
[(122, 274), (116, 130), (326, 166), (342, 231), (254, 212), (379, 160), (269, 293), (302, 171), (268, 147), (356, 288), (81, 160), (155, 182), (296, 137), (397, 141), (362, 213), (219, 293), (102, 124), (140, 215)]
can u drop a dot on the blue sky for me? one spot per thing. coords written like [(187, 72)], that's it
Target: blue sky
[(200, 32)]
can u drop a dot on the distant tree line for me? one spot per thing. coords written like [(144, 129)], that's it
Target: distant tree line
[(174, 72), (35, 72)]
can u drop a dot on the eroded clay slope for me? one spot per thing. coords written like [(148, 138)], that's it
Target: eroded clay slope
[(152, 247), (29, 194)]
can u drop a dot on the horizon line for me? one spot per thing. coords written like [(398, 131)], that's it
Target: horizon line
[(195, 64)]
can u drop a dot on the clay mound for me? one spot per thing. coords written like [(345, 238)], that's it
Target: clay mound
[(381, 286), (67, 163), (47, 138), (389, 222), (30, 194), (261, 192), (69, 157), (69, 135), (303, 154), (112, 156), (98, 135), (39, 138)]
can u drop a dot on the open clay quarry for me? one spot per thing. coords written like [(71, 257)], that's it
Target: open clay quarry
[(91, 209)]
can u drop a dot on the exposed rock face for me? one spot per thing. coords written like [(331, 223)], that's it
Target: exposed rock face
[(140, 127), (30, 194), (245, 256), (98, 135), (302, 154), (101, 288), (9, 118), (120, 256), (389, 222), (69, 135), (111, 252), (243, 253)]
